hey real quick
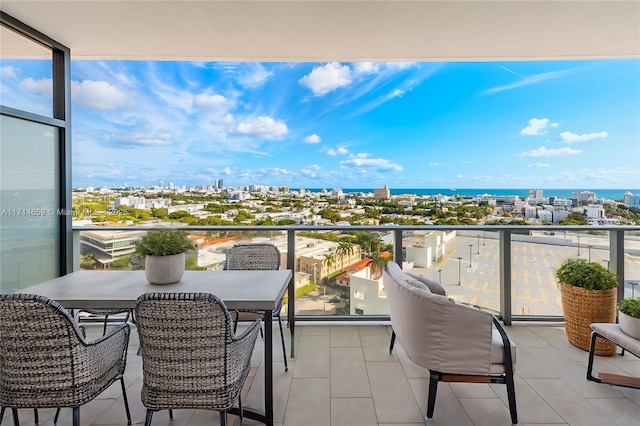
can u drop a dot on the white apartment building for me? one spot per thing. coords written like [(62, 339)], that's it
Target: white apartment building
[(593, 212), (536, 194), (586, 196)]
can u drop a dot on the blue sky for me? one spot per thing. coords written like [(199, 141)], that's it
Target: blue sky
[(561, 124)]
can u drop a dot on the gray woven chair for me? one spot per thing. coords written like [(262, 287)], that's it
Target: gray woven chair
[(191, 358), (260, 257), (45, 361)]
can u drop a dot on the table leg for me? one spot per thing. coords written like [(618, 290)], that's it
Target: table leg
[(268, 368)]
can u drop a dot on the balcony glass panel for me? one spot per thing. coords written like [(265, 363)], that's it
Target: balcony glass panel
[(632, 264), (26, 70), (29, 223)]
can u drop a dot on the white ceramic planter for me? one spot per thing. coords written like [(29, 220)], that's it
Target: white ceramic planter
[(629, 325), (164, 269)]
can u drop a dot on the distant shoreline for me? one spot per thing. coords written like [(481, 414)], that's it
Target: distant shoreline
[(613, 194)]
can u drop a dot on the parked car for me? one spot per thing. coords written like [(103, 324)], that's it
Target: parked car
[(334, 299)]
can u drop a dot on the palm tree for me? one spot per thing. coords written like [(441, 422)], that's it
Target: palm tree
[(345, 247), (329, 260), (377, 263)]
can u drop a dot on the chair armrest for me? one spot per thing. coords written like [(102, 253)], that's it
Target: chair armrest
[(240, 351), (105, 354), (506, 344)]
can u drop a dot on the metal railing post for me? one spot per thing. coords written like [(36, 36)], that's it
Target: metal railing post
[(616, 259), (291, 265), (397, 246), (505, 275)]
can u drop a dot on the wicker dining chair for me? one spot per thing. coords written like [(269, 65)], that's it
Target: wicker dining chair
[(45, 361), (260, 257), (191, 358), (106, 313)]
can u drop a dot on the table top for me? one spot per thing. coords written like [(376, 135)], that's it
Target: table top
[(260, 290)]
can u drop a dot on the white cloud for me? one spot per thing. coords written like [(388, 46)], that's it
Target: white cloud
[(569, 137), (206, 100), (379, 164), (128, 140), (544, 152), (43, 86), (263, 127), (526, 81), (311, 171), (366, 67), (396, 94), (536, 165), (8, 72), (98, 95), (537, 126), (253, 75), (339, 151), (312, 139), (434, 164), (324, 79), (226, 171)]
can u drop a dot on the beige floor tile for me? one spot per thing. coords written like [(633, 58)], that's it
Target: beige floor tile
[(525, 337), (620, 410), (353, 412), (570, 405), (392, 395), (349, 374), (447, 411), (528, 366), (530, 406), (375, 344), (309, 403), (472, 390), (345, 337), (313, 358), (489, 412), (312, 330)]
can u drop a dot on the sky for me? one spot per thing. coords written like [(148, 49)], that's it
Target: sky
[(552, 124)]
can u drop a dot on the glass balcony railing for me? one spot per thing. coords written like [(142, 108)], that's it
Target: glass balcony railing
[(337, 269)]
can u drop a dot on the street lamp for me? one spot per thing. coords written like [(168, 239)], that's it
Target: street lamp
[(578, 245), (608, 263), (633, 289), (440, 276), (470, 246), (484, 238), (459, 259), (478, 243), (589, 247)]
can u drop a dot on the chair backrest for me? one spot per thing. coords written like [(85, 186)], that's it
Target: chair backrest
[(184, 340), (38, 339), (435, 331), (259, 256)]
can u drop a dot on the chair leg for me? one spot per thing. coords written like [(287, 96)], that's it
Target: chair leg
[(592, 350), (170, 414), (511, 396), (284, 350), (16, 422), (393, 341), (76, 416), (55, 418), (235, 322), (104, 327), (36, 420), (240, 413), (126, 402), (223, 418), (147, 420), (433, 388), (2, 413)]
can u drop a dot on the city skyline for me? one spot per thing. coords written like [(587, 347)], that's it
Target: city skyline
[(552, 124)]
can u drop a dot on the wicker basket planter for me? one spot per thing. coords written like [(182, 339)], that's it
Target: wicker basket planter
[(582, 307)]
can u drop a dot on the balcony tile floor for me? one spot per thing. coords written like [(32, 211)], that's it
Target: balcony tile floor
[(344, 375)]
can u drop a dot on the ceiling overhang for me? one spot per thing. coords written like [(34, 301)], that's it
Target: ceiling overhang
[(342, 30)]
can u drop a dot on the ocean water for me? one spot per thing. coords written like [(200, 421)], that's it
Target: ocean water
[(612, 194)]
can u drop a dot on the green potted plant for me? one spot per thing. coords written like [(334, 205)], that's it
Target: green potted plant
[(164, 251), (588, 291), (629, 317)]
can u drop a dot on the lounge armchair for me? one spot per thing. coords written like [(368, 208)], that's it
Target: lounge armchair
[(455, 342)]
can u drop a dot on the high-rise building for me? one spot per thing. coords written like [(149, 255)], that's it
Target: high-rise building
[(383, 194), (536, 194)]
